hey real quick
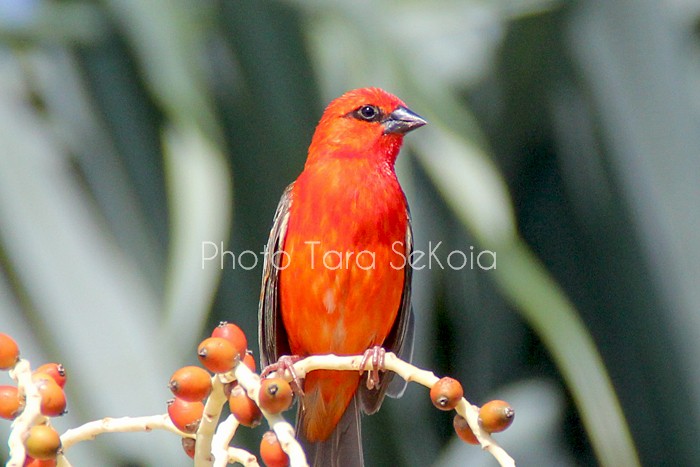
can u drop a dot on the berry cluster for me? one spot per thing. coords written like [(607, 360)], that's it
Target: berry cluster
[(41, 442), (494, 416), (227, 375), (220, 354)]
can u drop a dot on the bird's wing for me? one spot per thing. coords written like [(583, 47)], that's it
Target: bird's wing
[(271, 333), (399, 340)]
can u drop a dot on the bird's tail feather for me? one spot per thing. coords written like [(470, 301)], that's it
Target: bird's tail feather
[(343, 448)]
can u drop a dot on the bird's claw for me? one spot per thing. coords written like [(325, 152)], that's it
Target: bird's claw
[(377, 354), (286, 364)]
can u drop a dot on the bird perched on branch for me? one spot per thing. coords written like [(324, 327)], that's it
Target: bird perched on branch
[(337, 276)]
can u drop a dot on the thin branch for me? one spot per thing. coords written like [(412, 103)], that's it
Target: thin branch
[(30, 416), (409, 373), (208, 425), (242, 457), (221, 440), (91, 430)]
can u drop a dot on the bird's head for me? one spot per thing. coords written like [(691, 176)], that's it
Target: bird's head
[(363, 123)]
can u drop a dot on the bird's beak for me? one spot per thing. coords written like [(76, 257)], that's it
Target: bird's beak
[(402, 120)]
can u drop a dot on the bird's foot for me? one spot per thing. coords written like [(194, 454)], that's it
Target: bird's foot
[(286, 364), (377, 354)]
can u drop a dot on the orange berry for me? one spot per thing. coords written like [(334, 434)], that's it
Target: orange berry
[(185, 415), (53, 399), (446, 393), (271, 451), (9, 352), (55, 370), (249, 361), (42, 442), (11, 404), (190, 383), (463, 430), (275, 395), (495, 416), (188, 445), (234, 335), (31, 462), (243, 408), (217, 354)]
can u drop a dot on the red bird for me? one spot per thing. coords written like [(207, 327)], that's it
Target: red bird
[(337, 277)]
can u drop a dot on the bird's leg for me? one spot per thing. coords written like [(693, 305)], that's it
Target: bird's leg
[(376, 353), (286, 363)]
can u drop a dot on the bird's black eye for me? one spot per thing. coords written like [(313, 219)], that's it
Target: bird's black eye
[(368, 112)]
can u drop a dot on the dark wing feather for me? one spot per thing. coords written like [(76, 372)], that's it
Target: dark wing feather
[(271, 333), (399, 340)]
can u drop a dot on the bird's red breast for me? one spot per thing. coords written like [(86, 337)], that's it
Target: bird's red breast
[(341, 291), (347, 226)]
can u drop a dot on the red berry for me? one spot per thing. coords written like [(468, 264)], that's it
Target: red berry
[(188, 445), (271, 451), (249, 361), (42, 442), (185, 415), (234, 335), (446, 393), (217, 354), (190, 383), (463, 430), (31, 462), (53, 399), (9, 352), (495, 416), (55, 370), (243, 408), (275, 395), (11, 404)]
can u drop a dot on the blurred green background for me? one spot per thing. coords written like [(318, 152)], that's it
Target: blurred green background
[(563, 136)]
